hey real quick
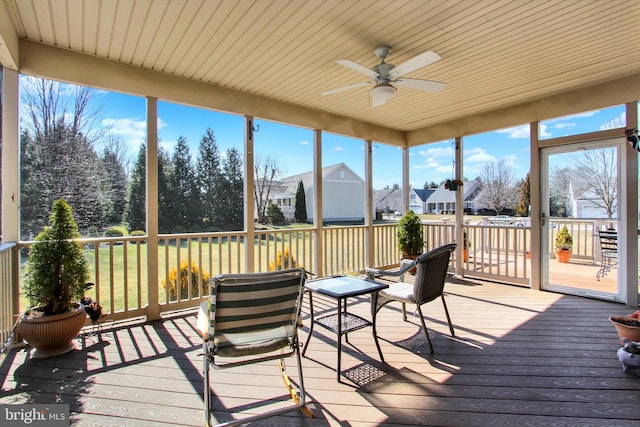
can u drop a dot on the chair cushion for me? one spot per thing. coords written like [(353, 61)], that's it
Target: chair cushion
[(401, 291)]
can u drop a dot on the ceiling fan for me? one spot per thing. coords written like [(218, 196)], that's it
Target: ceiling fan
[(383, 74)]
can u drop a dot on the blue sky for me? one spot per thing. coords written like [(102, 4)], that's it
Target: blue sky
[(292, 147)]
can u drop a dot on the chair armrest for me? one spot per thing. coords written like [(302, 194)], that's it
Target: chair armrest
[(202, 325), (405, 265)]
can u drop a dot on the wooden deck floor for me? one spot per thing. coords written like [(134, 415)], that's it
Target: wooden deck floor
[(519, 357)]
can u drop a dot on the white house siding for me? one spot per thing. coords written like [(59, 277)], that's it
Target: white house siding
[(342, 189)]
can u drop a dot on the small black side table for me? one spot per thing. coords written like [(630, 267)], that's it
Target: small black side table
[(340, 288)]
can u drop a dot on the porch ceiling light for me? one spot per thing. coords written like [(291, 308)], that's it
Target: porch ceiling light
[(383, 92)]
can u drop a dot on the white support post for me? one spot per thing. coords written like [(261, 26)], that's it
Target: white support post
[(630, 214), (249, 202), (153, 309), (535, 199), (369, 209), (10, 146), (10, 155), (405, 180), (459, 212), (318, 255)]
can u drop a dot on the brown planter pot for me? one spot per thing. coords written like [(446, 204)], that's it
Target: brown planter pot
[(465, 255), (563, 255), (626, 330), (52, 335), (411, 257)]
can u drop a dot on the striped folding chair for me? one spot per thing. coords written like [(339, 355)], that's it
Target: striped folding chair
[(253, 318)]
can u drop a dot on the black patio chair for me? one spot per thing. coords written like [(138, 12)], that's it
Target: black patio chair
[(428, 284), (608, 251)]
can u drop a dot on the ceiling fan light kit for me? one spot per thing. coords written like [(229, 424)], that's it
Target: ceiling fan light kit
[(383, 91), (383, 74)]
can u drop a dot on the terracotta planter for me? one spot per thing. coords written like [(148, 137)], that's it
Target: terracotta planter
[(626, 330), (411, 257), (563, 255), (465, 255), (52, 335)]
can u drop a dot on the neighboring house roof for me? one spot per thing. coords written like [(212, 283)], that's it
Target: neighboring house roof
[(442, 195), (424, 193), (290, 183)]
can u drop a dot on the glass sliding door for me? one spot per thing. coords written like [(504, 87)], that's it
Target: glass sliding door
[(580, 192)]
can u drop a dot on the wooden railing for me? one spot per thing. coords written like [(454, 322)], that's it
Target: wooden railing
[(8, 291), (186, 261)]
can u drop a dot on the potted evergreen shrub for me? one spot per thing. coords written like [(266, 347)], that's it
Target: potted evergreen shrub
[(410, 235), (55, 280), (564, 244)]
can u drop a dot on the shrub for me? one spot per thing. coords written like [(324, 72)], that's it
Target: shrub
[(137, 233), (115, 231), (186, 272), (563, 239), (410, 234), (57, 269), (93, 231), (275, 215), (283, 261)]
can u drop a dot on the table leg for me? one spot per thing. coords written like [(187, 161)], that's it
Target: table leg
[(306, 343), (344, 311), (339, 335), (374, 304)]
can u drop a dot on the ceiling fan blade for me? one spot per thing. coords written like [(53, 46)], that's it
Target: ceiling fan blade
[(357, 67), (427, 85), (344, 88), (419, 61)]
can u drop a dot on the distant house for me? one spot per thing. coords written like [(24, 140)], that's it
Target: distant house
[(388, 200), (586, 205), (444, 201), (342, 194), (418, 199)]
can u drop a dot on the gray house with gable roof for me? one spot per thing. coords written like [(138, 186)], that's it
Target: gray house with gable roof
[(342, 194)]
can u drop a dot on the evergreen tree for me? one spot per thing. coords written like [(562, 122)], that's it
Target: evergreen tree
[(301, 204), (524, 199), (62, 164), (275, 215), (116, 177), (135, 212), (233, 192), (210, 182), (31, 200), (183, 190), (58, 159), (165, 197)]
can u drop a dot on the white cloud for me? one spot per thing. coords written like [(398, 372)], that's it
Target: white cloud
[(617, 122), (575, 116), (338, 148), (304, 142), (437, 152), (516, 132), (567, 125), (168, 146), (543, 132), (132, 130), (479, 156)]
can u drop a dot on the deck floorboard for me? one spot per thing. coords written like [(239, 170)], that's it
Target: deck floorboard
[(519, 357)]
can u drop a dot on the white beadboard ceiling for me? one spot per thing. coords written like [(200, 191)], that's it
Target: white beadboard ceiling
[(495, 53)]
